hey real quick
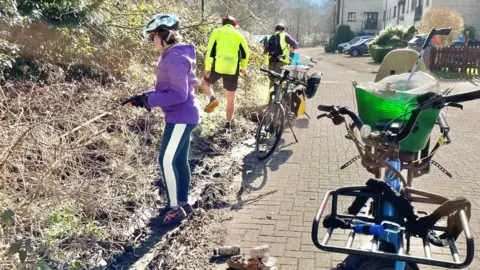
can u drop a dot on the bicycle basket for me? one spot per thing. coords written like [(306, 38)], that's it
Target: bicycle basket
[(296, 71), (377, 103), (313, 83)]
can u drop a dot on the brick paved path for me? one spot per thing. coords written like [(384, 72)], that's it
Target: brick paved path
[(286, 191)]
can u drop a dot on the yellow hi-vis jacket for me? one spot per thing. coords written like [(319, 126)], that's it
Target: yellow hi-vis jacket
[(284, 45), (227, 51)]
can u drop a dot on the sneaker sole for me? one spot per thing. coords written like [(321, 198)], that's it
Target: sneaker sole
[(211, 107)]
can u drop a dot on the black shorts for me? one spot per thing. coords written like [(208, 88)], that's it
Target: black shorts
[(230, 82)]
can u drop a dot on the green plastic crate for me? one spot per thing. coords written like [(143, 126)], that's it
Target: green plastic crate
[(372, 109)]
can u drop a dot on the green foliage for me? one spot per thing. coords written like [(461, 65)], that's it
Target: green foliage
[(391, 38), (71, 12), (343, 34), (7, 217), (472, 31), (379, 52)]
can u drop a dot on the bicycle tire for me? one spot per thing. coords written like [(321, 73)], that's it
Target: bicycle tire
[(270, 111)]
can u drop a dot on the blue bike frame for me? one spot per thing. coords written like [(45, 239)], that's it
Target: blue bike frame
[(396, 239)]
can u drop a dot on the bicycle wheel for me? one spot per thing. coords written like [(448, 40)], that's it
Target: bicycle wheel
[(269, 131)]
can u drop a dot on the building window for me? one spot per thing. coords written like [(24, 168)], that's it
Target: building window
[(427, 3), (403, 8), (351, 16), (384, 15), (394, 11), (390, 13), (370, 20), (413, 5)]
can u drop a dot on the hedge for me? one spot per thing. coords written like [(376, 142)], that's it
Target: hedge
[(393, 37), (379, 52)]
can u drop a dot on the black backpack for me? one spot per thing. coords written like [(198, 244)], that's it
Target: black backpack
[(273, 47)]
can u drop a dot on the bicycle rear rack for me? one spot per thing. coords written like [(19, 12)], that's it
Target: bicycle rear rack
[(364, 191)]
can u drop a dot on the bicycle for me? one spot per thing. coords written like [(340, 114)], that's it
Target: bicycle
[(390, 218), (279, 109)]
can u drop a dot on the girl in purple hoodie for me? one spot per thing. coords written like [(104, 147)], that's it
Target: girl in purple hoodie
[(174, 93)]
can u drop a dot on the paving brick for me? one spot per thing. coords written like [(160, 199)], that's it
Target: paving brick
[(277, 249), (282, 225), (251, 235), (306, 264), (293, 244), (296, 220), (287, 261), (287, 267), (300, 229), (306, 239), (323, 259), (299, 254), (288, 234), (272, 239), (267, 230)]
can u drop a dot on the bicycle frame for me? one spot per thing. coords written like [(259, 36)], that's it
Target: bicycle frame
[(389, 211)]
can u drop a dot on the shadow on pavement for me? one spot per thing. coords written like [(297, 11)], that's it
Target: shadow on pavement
[(302, 123), (255, 174)]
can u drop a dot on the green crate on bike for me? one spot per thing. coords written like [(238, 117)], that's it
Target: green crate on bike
[(373, 108)]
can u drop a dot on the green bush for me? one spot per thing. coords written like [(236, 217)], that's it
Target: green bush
[(343, 34), (393, 37), (379, 52), (472, 31)]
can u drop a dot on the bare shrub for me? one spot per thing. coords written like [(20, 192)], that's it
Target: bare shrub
[(443, 18)]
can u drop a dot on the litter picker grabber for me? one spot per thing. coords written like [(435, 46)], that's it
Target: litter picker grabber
[(433, 33), (110, 111)]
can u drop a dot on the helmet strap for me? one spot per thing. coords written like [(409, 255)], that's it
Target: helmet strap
[(169, 36)]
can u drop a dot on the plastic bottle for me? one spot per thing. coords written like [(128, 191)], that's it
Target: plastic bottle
[(226, 251), (259, 252), (296, 59)]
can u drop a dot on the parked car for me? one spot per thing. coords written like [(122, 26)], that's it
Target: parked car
[(416, 42), (347, 45), (359, 48)]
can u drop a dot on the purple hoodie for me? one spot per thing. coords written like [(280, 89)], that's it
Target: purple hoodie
[(176, 81)]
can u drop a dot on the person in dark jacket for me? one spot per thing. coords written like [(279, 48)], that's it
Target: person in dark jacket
[(174, 94)]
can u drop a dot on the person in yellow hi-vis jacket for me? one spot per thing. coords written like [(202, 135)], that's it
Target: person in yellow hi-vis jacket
[(227, 58)]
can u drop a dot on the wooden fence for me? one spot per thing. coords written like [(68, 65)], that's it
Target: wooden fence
[(454, 59)]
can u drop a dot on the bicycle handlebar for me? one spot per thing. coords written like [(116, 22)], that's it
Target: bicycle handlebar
[(463, 97), (284, 76), (426, 101)]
